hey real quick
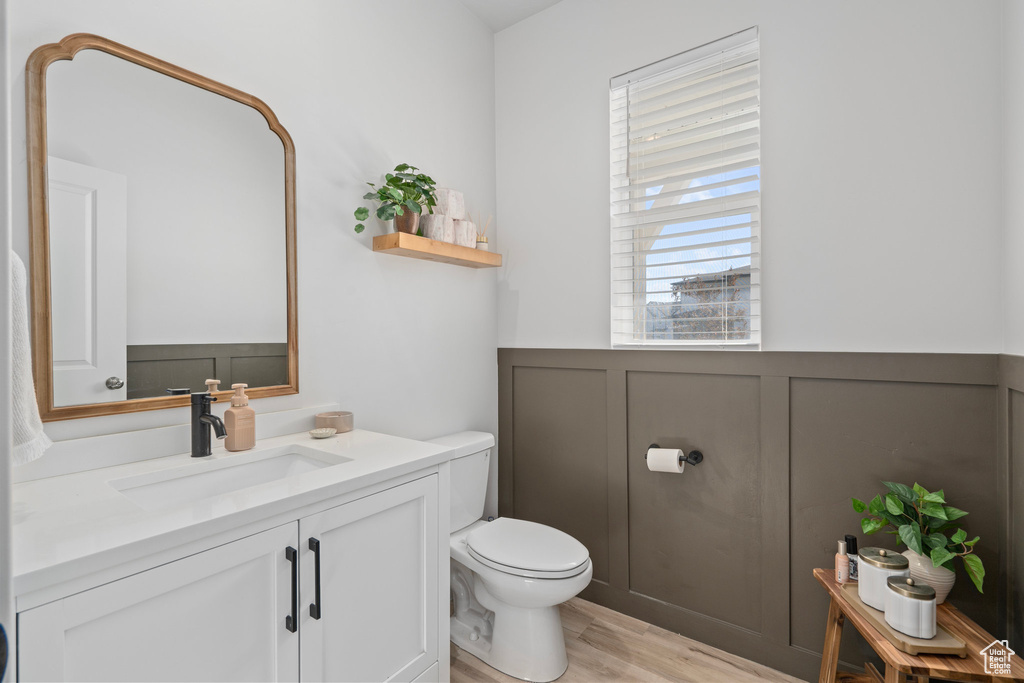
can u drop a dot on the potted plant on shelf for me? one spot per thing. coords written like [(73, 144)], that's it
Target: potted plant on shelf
[(402, 198), (923, 521)]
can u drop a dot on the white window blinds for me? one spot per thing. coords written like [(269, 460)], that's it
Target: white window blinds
[(686, 198)]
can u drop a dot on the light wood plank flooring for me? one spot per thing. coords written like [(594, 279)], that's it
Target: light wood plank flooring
[(604, 645)]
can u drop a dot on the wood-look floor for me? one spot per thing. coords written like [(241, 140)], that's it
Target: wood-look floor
[(604, 645)]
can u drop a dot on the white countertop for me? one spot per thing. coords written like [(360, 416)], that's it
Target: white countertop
[(61, 525)]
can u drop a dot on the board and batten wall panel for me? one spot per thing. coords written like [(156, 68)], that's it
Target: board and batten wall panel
[(561, 478), (1017, 559), (695, 538), (723, 553), (849, 436), (1011, 388)]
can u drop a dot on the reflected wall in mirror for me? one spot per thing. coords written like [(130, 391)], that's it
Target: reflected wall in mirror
[(163, 233)]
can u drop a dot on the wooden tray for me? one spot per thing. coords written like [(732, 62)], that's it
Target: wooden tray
[(944, 642)]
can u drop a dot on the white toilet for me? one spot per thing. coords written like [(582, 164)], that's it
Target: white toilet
[(507, 576)]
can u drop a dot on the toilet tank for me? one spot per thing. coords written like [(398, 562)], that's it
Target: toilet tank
[(469, 488), (469, 471)]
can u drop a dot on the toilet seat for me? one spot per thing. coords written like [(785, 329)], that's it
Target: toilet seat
[(527, 549)]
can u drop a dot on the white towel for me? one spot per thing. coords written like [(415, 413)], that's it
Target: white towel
[(28, 439)]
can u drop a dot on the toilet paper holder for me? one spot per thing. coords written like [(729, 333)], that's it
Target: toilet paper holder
[(691, 458)]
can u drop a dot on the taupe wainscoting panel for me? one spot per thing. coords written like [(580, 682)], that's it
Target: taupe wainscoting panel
[(849, 436), (560, 475), (723, 552), (695, 537), (1016, 592), (154, 368)]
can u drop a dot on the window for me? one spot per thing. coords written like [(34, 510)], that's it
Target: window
[(686, 198)]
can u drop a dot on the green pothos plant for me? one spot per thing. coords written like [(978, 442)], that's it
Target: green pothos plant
[(404, 190), (922, 520)]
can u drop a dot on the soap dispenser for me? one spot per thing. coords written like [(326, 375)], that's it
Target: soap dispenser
[(240, 421)]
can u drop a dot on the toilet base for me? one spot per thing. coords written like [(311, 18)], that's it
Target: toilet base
[(525, 643)]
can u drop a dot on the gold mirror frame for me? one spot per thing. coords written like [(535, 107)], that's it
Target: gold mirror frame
[(39, 232)]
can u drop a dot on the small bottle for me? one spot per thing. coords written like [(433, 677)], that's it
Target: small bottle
[(240, 421), (842, 561), (851, 552)]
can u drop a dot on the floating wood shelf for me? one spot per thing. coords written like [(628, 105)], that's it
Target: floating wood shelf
[(412, 246)]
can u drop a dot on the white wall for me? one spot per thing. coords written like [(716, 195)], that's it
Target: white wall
[(880, 169), (1013, 176), (408, 345)]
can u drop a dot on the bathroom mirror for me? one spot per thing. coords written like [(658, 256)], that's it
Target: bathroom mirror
[(162, 223)]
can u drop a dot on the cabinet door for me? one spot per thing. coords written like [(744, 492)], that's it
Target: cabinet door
[(218, 615), (378, 587)]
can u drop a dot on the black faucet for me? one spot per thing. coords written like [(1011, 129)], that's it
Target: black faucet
[(202, 420)]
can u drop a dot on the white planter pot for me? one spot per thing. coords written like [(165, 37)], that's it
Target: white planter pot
[(923, 571)]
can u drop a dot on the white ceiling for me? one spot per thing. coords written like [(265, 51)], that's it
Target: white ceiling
[(500, 14)]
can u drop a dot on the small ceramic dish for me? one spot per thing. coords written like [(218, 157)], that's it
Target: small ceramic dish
[(323, 432)]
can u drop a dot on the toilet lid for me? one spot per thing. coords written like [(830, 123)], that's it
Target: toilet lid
[(527, 549)]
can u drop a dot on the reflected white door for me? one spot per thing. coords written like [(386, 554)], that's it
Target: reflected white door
[(88, 250)]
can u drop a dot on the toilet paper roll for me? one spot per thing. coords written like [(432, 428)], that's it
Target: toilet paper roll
[(665, 460)]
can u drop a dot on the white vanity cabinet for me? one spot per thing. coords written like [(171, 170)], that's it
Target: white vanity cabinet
[(225, 614), (217, 616), (378, 600)]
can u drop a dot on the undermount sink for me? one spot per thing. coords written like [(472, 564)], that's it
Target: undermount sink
[(211, 478)]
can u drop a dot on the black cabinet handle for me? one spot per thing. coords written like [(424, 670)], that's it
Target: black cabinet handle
[(291, 622), (314, 609)]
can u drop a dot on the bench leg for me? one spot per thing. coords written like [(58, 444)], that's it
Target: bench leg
[(892, 675), (833, 635)]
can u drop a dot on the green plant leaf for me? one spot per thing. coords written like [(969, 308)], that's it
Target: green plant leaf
[(876, 506), (920, 490), (952, 513), (858, 505), (935, 540), (959, 536), (895, 520), (362, 213), (936, 497), (976, 570), (933, 510), (904, 492), (360, 227), (396, 194), (893, 504), (971, 542), (940, 556), (911, 535), (869, 525), (413, 206), (402, 167), (388, 177)]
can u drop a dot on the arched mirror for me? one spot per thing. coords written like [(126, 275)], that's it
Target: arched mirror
[(162, 212)]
